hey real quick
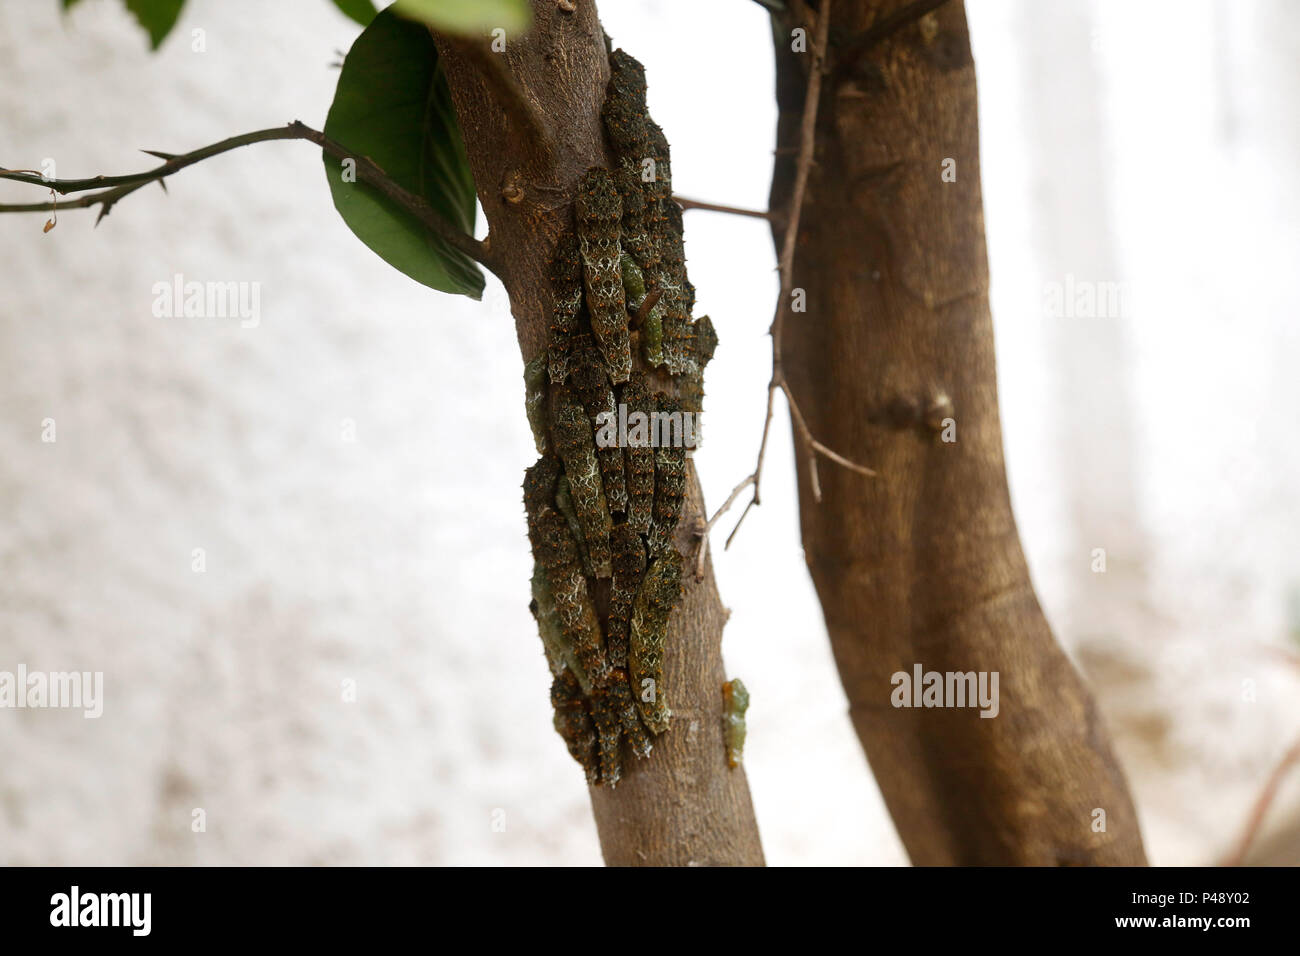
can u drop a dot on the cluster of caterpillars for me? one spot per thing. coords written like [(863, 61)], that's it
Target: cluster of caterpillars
[(601, 515)]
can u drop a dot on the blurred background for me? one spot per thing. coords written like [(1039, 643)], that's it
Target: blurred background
[(359, 518)]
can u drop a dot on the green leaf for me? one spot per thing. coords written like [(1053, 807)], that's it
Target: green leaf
[(393, 105), (362, 11), (69, 4), (469, 16), (157, 17)]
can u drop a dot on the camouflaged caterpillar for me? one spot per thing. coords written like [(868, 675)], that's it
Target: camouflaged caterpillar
[(629, 565), (658, 595), (600, 212), (576, 443), (640, 460), (556, 551), (535, 401), (564, 502), (735, 701), (670, 482), (566, 310), (590, 385), (574, 724), (704, 342)]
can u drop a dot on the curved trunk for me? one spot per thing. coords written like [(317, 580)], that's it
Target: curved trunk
[(532, 127), (923, 564)]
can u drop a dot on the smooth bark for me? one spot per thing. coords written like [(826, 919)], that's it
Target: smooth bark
[(923, 564)]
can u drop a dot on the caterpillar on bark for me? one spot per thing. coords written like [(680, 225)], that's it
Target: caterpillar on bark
[(566, 309), (576, 444), (599, 213), (573, 723), (670, 474), (629, 563), (535, 401), (590, 385), (564, 502), (735, 701), (637, 399), (658, 595)]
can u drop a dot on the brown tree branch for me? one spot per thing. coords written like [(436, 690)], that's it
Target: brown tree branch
[(683, 804), (923, 567), (716, 207), (121, 186)]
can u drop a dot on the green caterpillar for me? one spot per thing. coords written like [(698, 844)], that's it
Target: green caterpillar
[(735, 701), (658, 595)]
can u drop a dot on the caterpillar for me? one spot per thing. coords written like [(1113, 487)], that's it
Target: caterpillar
[(600, 211), (609, 734), (704, 343), (655, 600), (566, 290), (670, 475), (535, 401), (543, 610), (574, 724), (577, 448), (625, 706), (629, 564), (590, 384), (735, 701), (564, 502), (640, 457)]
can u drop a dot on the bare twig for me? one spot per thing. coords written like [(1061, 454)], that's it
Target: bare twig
[(120, 186), (1262, 803), (804, 162), (649, 302), (715, 207)]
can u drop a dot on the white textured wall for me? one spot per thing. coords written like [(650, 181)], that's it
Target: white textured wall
[(399, 560)]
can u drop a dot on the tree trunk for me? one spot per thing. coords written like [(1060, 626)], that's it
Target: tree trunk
[(923, 564), (682, 805)]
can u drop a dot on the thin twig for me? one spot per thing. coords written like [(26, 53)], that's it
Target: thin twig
[(120, 186), (804, 162), (716, 207), (1262, 803), (885, 27), (649, 302)]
